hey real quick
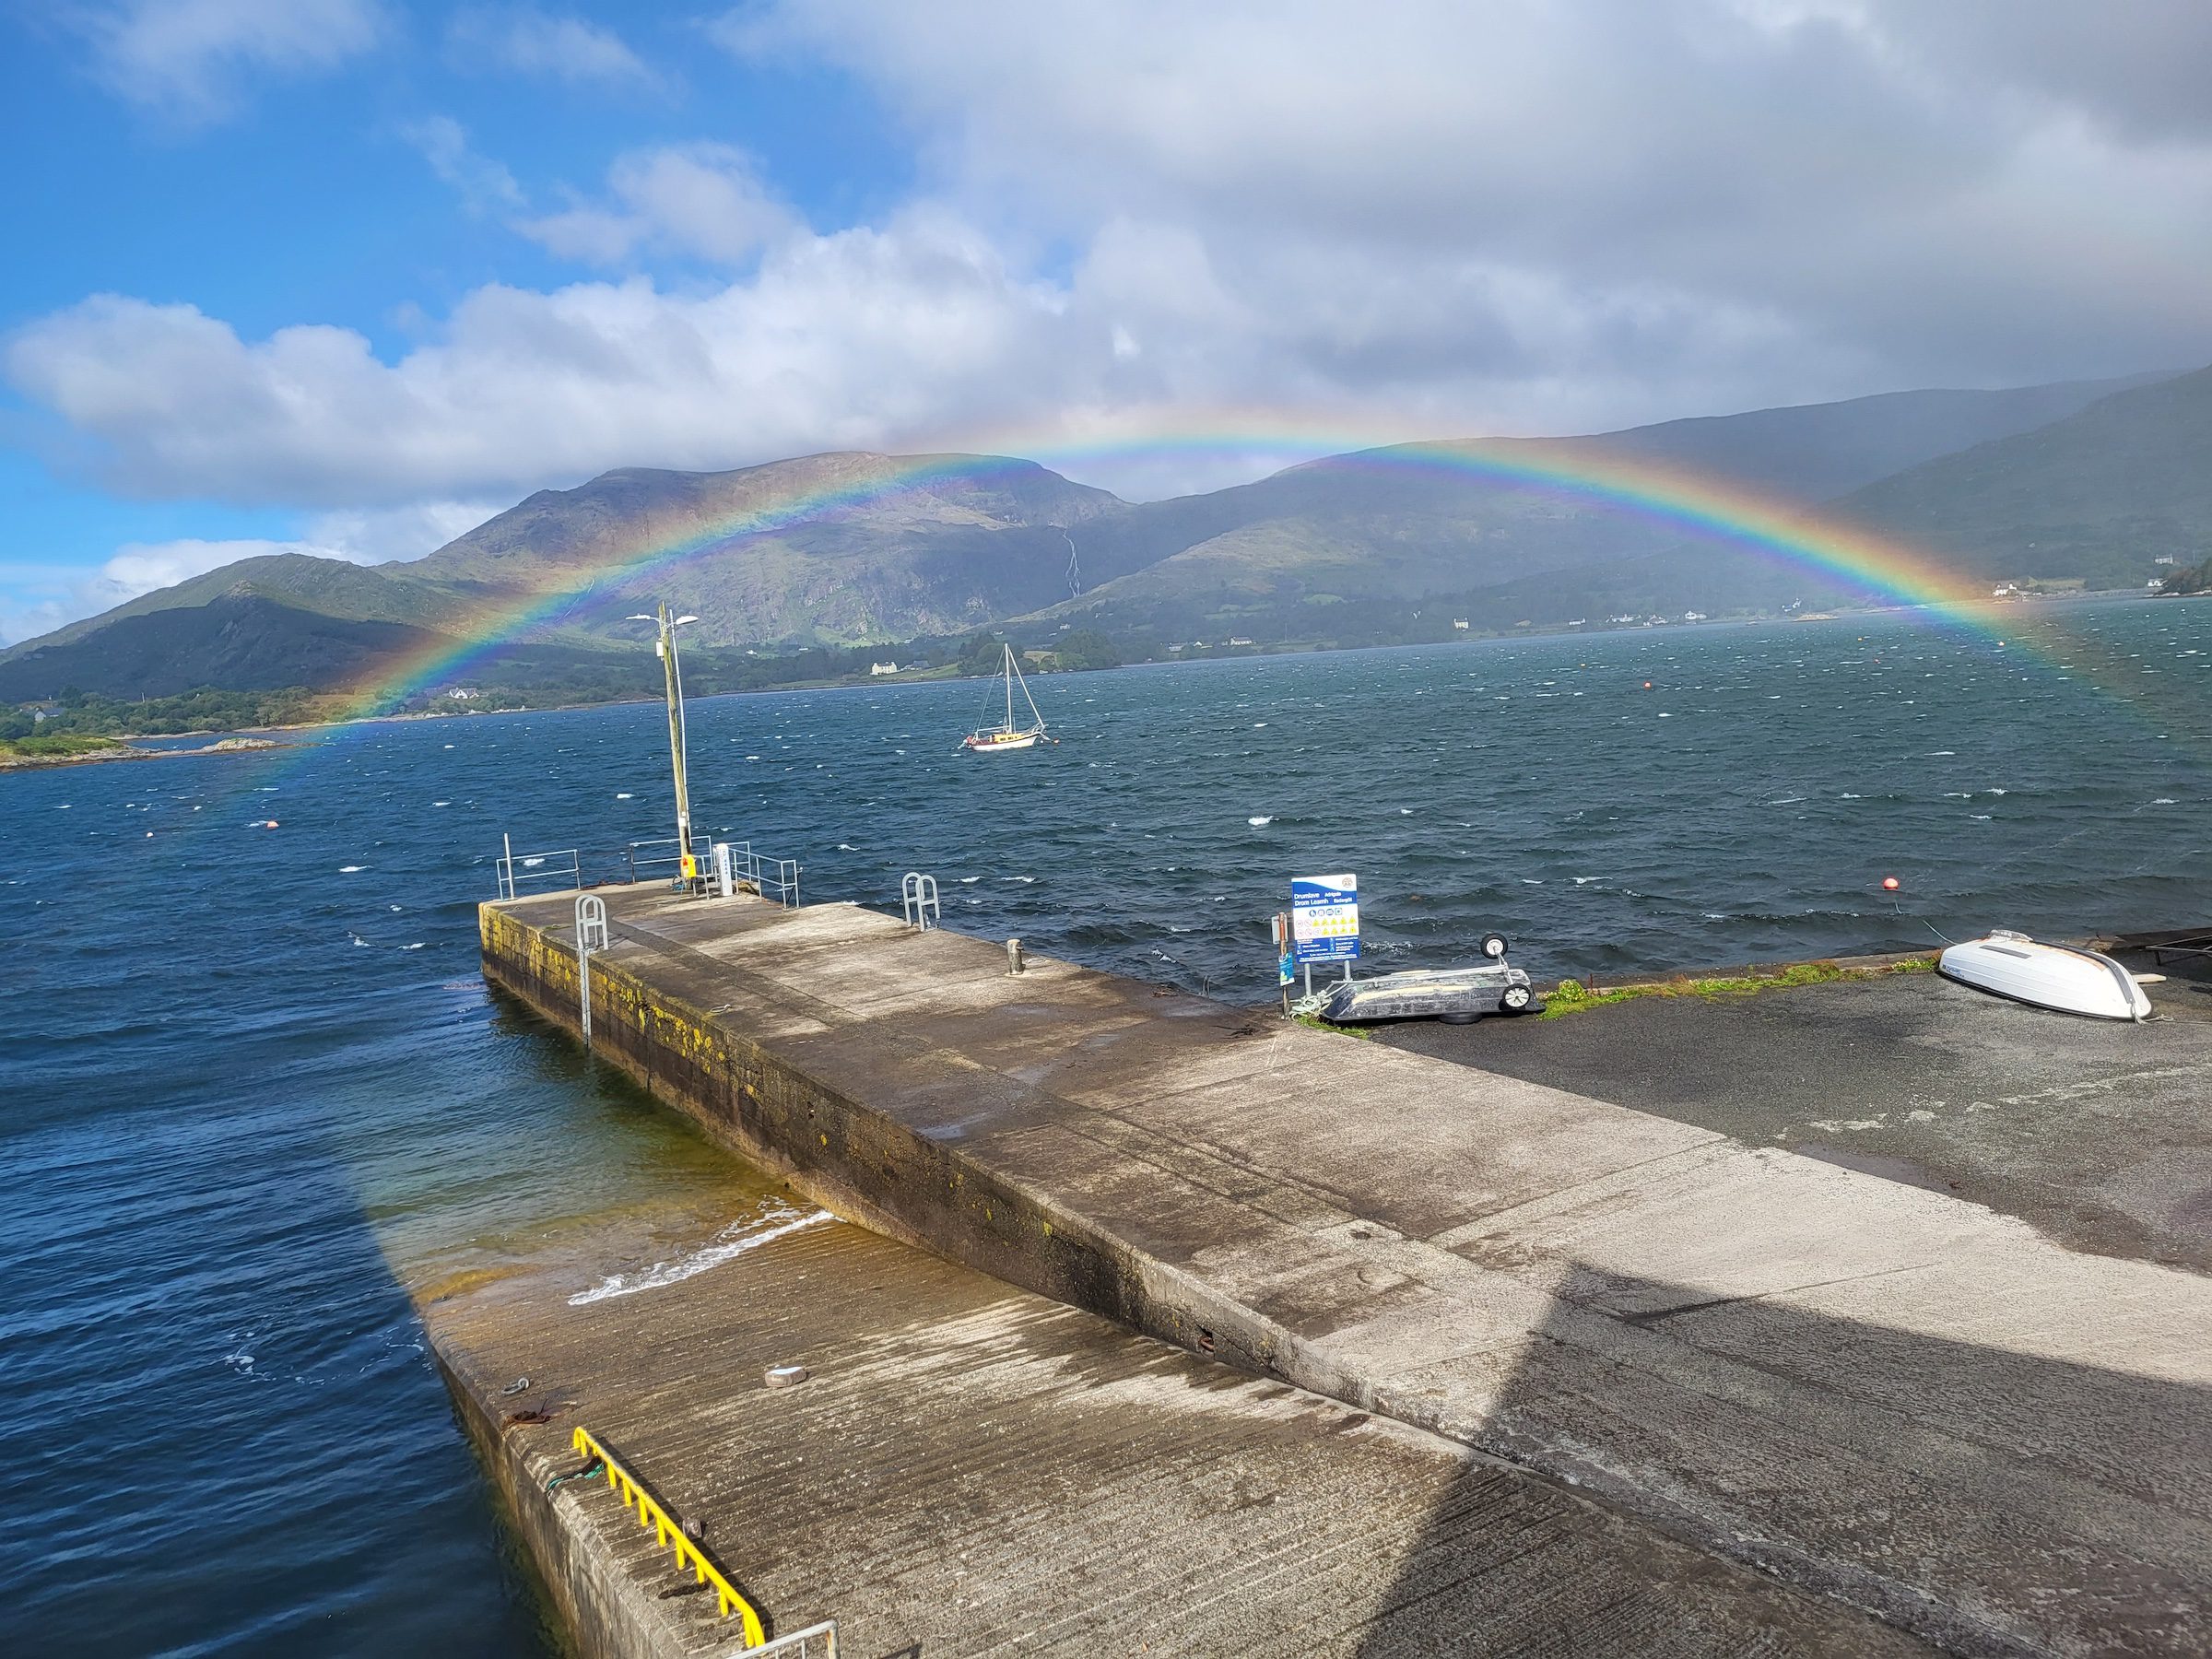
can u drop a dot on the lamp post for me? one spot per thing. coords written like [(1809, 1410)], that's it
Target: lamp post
[(672, 674)]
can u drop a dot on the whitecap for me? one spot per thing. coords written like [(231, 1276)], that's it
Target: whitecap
[(1020, 878), (417, 945), (441, 802), (351, 870), (1849, 796), (1260, 823), (624, 795), (969, 880), (728, 1245), (2164, 800), (1937, 754)]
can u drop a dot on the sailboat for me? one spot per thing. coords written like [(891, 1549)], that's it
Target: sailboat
[(994, 740)]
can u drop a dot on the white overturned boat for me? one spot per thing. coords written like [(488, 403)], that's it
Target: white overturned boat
[(2050, 976)]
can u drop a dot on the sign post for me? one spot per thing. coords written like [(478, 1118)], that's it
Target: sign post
[(1325, 921)]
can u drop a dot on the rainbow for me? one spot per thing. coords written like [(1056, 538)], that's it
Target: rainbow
[(1702, 508)]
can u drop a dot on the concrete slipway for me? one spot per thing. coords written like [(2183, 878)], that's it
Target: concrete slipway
[(1877, 1393)]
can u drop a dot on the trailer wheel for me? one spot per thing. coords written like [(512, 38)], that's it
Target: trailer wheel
[(1516, 999), (1458, 1019), (1493, 947)]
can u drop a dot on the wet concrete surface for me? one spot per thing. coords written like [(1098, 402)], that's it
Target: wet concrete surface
[(966, 1468), (2098, 1132), (1866, 1387)]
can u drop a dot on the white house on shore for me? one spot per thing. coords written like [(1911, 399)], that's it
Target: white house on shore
[(881, 668)]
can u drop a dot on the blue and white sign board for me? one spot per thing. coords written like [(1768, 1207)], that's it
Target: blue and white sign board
[(1325, 918)]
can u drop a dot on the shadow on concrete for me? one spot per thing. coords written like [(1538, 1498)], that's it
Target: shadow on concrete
[(1988, 1501)]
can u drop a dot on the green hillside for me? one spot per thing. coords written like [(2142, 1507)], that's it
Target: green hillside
[(2098, 495), (2080, 482)]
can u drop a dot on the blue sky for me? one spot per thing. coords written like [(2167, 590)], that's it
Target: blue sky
[(348, 276)]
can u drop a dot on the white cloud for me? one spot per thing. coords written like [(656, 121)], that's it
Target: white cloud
[(37, 599), (190, 59), (1969, 192), (529, 42), (1415, 219), (703, 200), (481, 182)]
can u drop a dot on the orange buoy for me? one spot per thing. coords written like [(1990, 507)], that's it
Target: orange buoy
[(1890, 884)]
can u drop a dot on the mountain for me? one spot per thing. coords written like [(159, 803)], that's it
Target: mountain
[(848, 548), (1412, 521), (902, 546), (2097, 494)]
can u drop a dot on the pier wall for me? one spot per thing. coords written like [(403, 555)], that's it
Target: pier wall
[(603, 1602), (850, 1156)]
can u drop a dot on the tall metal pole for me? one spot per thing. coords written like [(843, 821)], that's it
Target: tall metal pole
[(671, 675)]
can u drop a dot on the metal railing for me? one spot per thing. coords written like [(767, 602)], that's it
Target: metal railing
[(667, 854), (918, 899), (803, 1644), (541, 872), (669, 1534), (778, 878)]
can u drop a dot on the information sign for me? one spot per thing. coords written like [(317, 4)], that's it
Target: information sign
[(1325, 918)]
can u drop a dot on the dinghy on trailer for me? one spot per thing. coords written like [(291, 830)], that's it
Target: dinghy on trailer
[(2062, 977)]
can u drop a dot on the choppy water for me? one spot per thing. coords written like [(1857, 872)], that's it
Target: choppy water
[(251, 1076)]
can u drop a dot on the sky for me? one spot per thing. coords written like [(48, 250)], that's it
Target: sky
[(348, 276)]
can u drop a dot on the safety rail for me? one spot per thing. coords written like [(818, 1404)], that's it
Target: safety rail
[(778, 878), (672, 860), (667, 1533), (918, 900), (539, 870), (803, 1644)]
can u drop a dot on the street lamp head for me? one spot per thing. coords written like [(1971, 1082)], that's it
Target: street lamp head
[(681, 620), (640, 616)]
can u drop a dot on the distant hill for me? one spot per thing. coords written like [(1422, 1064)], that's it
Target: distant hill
[(2097, 494), (1349, 547)]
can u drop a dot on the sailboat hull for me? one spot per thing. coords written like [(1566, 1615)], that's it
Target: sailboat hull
[(997, 743)]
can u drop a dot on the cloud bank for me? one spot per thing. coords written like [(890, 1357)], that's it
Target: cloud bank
[(1409, 219)]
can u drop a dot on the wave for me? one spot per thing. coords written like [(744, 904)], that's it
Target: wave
[(730, 1244)]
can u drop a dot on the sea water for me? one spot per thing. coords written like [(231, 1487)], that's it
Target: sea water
[(253, 1085)]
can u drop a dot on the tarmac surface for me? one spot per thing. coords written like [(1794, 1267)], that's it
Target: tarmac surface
[(1873, 1389), (2096, 1133), (969, 1469)]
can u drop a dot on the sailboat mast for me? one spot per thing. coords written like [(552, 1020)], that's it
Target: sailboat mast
[(1009, 688)]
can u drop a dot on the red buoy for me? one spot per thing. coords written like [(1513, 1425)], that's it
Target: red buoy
[(1890, 884)]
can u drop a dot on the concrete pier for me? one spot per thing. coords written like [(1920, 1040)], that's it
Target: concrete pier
[(968, 1468), (1874, 1392)]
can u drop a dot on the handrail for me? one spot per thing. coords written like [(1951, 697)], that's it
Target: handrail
[(650, 1513)]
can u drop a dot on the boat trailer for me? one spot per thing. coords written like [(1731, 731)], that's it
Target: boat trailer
[(1455, 996)]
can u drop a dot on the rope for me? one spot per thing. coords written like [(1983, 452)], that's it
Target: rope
[(596, 1466)]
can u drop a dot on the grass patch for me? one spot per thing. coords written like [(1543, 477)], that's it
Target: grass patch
[(1572, 996), (58, 746), (1315, 1023)]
